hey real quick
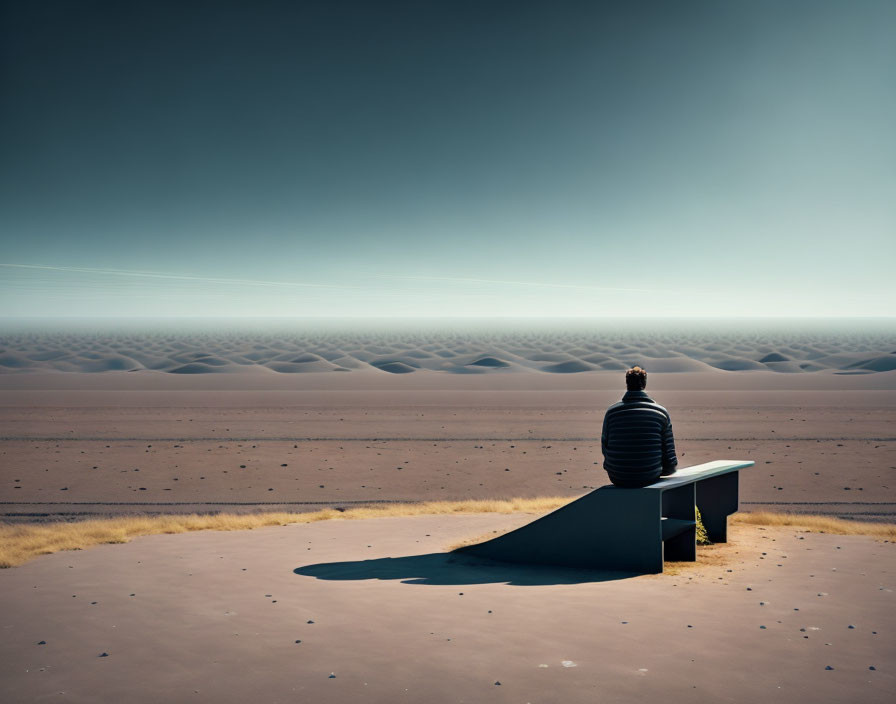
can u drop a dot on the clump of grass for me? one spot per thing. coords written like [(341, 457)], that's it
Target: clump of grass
[(702, 537), (22, 542)]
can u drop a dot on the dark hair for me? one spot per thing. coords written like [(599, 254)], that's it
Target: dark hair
[(635, 379)]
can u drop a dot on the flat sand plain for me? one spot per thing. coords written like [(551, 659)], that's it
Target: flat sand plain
[(116, 443), (374, 610)]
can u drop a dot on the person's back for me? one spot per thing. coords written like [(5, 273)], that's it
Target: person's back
[(637, 439)]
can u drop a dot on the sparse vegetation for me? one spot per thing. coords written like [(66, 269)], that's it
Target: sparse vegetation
[(702, 537), (22, 542), (816, 524)]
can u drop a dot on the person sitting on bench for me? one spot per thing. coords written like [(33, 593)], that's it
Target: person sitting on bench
[(637, 437)]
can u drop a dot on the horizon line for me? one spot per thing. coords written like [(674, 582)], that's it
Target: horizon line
[(448, 317)]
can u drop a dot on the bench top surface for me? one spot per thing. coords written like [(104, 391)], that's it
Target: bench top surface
[(687, 475)]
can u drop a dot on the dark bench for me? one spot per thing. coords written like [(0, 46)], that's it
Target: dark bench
[(628, 529)]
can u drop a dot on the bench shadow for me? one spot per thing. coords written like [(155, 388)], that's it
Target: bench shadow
[(455, 569)]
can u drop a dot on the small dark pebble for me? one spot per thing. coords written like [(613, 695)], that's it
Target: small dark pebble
[(762, 627), (828, 667), (850, 626), (104, 655), (311, 622), (872, 667), (298, 641), (43, 642), (332, 676), (498, 683)]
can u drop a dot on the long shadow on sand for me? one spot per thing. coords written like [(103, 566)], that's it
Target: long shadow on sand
[(448, 568)]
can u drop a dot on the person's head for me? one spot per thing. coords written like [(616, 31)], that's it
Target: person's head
[(635, 379)]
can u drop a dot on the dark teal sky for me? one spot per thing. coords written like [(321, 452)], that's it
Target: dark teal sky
[(447, 158)]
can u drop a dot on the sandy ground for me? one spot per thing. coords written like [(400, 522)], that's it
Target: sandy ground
[(373, 611), (269, 615), (103, 444)]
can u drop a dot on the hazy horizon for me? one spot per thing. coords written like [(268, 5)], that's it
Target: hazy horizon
[(885, 325)]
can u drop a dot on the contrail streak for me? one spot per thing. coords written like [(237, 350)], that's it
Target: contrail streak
[(156, 275), (511, 283), (256, 282)]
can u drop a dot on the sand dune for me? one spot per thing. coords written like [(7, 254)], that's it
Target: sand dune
[(405, 353)]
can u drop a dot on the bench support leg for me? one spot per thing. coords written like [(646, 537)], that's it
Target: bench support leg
[(717, 499)]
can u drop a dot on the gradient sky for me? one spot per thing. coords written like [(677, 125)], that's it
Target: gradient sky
[(447, 158)]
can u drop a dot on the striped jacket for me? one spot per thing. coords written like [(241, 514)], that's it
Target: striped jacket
[(637, 440)]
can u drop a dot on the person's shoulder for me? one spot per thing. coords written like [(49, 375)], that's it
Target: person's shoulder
[(618, 404), (660, 407)]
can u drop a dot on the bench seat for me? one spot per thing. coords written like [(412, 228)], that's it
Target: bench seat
[(613, 528)]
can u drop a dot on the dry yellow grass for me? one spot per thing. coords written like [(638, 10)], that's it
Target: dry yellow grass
[(716, 555), (22, 542), (816, 524)]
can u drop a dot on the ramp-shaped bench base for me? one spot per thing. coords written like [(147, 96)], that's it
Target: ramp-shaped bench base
[(627, 529)]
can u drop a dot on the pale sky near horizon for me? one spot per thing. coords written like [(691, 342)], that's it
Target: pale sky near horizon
[(462, 158)]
